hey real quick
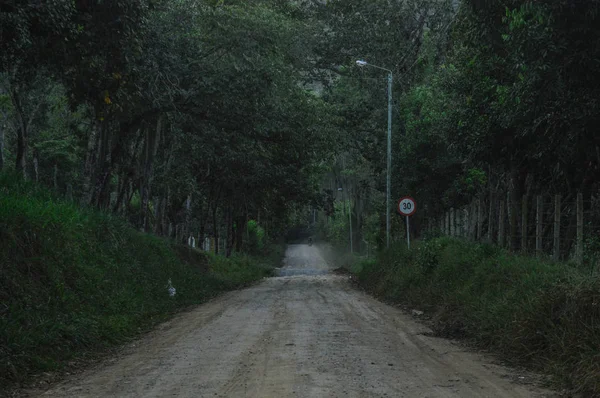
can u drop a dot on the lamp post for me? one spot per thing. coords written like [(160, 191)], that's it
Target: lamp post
[(349, 216), (362, 63)]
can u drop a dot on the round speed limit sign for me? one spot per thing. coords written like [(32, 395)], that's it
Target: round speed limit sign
[(407, 206)]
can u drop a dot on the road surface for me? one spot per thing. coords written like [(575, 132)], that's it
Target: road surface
[(306, 333)]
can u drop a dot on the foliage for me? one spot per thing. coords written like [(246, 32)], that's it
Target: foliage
[(337, 228), (490, 98), (533, 312), (192, 117), (168, 113), (74, 282), (497, 98), (504, 98), (256, 237)]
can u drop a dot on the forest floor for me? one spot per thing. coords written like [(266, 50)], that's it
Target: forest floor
[(305, 333)]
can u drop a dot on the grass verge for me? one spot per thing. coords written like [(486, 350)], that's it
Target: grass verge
[(540, 314), (75, 282)]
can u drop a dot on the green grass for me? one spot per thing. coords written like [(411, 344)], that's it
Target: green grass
[(541, 314), (74, 282)]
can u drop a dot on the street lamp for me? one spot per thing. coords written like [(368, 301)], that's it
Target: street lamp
[(349, 216), (362, 63)]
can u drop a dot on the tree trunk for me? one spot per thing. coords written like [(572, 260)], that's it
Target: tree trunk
[(21, 159), (55, 177), (163, 210), (108, 161), (122, 190), (570, 232), (150, 149), (36, 169), (514, 206), (188, 214), (110, 154), (90, 161), (157, 214), (1, 146), (229, 226), (103, 169), (157, 203), (128, 172), (215, 229), (204, 221), (167, 207), (130, 193), (144, 188), (239, 232)]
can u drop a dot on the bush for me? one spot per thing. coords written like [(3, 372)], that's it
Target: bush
[(256, 237), (239, 270), (75, 281), (335, 230), (538, 313)]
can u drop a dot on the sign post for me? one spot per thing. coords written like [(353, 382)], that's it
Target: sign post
[(407, 207)]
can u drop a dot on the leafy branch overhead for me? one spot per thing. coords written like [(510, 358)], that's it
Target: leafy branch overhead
[(186, 113)]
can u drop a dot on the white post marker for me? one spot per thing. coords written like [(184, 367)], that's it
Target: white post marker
[(407, 207)]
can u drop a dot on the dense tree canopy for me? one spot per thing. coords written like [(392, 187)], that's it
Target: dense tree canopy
[(489, 98), (193, 116), (187, 117)]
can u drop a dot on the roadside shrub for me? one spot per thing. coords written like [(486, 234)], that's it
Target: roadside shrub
[(74, 281), (533, 312), (256, 237)]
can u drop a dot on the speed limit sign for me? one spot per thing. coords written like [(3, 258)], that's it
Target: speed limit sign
[(407, 206)]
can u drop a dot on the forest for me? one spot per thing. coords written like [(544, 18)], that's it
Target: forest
[(190, 118), (495, 102), (129, 128), (185, 117)]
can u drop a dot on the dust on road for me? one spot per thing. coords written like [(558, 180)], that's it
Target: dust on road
[(303, 334)]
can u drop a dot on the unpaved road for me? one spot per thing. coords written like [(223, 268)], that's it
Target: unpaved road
[(305, 334)]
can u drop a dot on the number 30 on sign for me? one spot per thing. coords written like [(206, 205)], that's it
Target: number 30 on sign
[(407, 206)]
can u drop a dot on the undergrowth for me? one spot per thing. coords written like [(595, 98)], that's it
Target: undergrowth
[(74, 282), (533, 312)]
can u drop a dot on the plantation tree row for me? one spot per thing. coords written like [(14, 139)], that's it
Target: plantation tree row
[(187, 117), (197, 113), (491, 99)]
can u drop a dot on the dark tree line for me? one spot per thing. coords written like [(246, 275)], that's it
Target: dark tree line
[(492, 100), (195, 116), (187, 117)]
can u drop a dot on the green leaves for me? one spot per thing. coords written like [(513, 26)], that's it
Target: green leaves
[(171, 99), (505, 97)]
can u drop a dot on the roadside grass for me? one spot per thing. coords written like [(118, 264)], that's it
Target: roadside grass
[(536, 313), (239, 270), (75, 282)]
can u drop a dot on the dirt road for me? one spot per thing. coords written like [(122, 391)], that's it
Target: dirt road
[(304, 334)]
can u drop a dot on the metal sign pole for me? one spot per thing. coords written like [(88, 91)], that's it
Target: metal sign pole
[(407, 207), (350, 222), (408, 231), (389, 163)]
